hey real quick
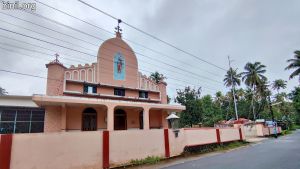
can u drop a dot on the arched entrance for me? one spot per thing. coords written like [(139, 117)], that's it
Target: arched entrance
[(89, 119), (141, 119), (120, 120)]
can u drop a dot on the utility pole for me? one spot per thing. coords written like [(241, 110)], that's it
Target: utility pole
[(272, 115), (233, 88)]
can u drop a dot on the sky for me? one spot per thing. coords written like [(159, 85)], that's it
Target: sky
[(247, 31)]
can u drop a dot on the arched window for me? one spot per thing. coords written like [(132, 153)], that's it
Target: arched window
[(90, 75), (68, 75), (75, 75), (82, 75)]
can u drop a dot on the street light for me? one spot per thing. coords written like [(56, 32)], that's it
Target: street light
[(173, 119)]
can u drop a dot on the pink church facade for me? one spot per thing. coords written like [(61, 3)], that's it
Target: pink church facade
[(110, 94)]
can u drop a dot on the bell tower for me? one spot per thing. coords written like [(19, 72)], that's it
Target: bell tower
[(55, 77)]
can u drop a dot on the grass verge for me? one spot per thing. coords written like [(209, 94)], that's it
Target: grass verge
[(188, 151), (147, 160), (213, 147)]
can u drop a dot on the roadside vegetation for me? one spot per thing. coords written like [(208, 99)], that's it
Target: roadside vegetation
[(253, 93), (148, 160), (213, 148)]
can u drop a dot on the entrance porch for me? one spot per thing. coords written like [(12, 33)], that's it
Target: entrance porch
[(65, 113)]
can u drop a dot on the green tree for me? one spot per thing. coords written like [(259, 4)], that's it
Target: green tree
[(295, 96), (3, 91), (210, 112), (190, 98), (157, 77), (294, 64), (253, 77), (278, 84)]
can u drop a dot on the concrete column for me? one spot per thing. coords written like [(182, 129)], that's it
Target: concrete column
[(164, 122), (63, 118), (110, 118), (146, 119)]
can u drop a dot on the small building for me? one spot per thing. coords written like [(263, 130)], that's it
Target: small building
[(19, 114), (110, 94)]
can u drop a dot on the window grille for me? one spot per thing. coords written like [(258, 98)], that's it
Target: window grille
[(21, 120)]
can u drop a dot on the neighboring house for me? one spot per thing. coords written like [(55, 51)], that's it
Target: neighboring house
[(19, 114), (109, 94)]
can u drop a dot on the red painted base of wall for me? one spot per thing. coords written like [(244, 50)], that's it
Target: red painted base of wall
[(105, 149), (167, 144), (5, 150), (218, 136), (241, 134)]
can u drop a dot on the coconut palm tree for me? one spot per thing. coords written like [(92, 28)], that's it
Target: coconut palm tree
[(294, 64), (253, 77), (232, 78), (157, 77), (278, 84)]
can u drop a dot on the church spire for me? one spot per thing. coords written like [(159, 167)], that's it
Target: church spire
[(118, 29)]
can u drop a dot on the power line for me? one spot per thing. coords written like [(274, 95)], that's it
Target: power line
[(154, 37), (44, 41), (44, 34), (68, 58), (111, 33), (49, 29), (74, 29), (119, 46), (41, 47), (129, 66)]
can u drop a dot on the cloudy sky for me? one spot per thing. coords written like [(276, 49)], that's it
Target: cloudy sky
[(248, 31)]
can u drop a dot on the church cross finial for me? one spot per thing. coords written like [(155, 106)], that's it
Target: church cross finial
[(118, 28), (56, 57)]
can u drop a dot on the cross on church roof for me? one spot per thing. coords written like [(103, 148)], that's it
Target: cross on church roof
[(56, 57), (118, 28)]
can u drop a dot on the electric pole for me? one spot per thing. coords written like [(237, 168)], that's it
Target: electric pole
[(233, 88), (272, 115)]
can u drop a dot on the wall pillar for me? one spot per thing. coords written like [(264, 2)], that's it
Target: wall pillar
[(105, 148), (167, 143), (110, 118), (5, 150), (146, 119), (241, 134), (164, 121), (64, 118), (218, 136)]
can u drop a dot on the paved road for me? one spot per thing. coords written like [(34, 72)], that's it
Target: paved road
[(281, 153)]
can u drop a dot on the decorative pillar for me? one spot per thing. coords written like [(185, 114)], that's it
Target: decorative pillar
[(110, 118), (63, 117), (146, 119)]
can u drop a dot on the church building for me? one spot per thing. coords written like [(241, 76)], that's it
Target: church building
[(110, 94)]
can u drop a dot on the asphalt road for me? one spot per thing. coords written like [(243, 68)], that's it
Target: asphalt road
[(281, 153)]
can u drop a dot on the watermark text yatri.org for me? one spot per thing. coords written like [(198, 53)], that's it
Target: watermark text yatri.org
[(16, 5)]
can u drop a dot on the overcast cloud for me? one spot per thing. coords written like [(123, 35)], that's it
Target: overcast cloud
[(254, 30)]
